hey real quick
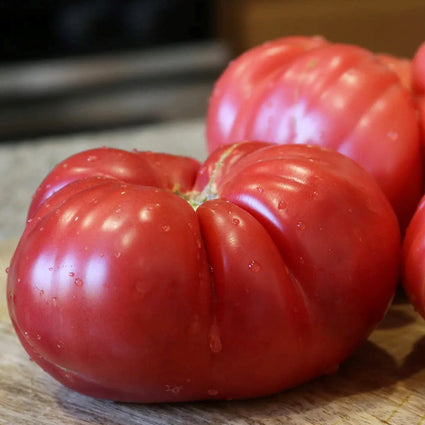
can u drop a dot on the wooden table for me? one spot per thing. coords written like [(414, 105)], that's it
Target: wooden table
[(383, 382)]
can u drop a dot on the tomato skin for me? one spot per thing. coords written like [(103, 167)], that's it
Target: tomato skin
[(137, 292), (418, 87), (144, 168), (414, 259), (338, 96), (418, 70), (244, 76), (401, 66)]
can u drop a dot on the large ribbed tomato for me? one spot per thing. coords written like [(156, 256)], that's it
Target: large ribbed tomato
[(148, 277), (307, 90)]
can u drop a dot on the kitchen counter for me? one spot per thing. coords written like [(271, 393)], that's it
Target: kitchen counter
[(383, 382)]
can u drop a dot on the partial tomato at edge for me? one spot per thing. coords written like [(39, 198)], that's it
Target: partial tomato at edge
[(414, 259)]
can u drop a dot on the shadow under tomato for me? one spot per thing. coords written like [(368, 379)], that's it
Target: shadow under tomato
[(415, 361)]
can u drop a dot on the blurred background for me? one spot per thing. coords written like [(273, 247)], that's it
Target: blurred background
[(79, 65)]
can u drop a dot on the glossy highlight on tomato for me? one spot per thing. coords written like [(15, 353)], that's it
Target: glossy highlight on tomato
[(146, 277), (311, 91)]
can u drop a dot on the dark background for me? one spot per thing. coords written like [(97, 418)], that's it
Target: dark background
[(34, 29), (86, 65)]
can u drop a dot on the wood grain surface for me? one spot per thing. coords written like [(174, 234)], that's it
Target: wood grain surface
[(383, 382)]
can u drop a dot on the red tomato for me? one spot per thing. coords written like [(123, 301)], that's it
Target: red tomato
[(414, 259), (418, 84), (146, 277), (338, 96), (401, 66), (418, 70)]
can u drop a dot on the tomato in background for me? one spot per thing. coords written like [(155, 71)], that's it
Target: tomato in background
[(418, 85), (148, 277), (338, 96), (418, 70)]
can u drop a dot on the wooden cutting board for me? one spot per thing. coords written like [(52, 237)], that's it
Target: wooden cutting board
[(383, 382)]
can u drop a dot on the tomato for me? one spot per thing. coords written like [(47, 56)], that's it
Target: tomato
[(414, 259), (401, 66), (148, 277), (338, 96), (418, 70), (418, 86)]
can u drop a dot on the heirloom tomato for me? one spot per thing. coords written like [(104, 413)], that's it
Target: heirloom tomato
[(310, 91), (149, 277)]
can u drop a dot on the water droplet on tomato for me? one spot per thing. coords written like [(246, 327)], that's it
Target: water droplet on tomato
[(260, 189), (166, 228), (254, 266), (29, 220), (92, 158), (117, 254), (71, 274), (235, 221), (38, 337), (214, 339), (301, 226), (281, 205), (78, 281), (7, 270), (54, 301)]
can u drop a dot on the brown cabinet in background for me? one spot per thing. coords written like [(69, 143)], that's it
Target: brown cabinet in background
[(390, 26)]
